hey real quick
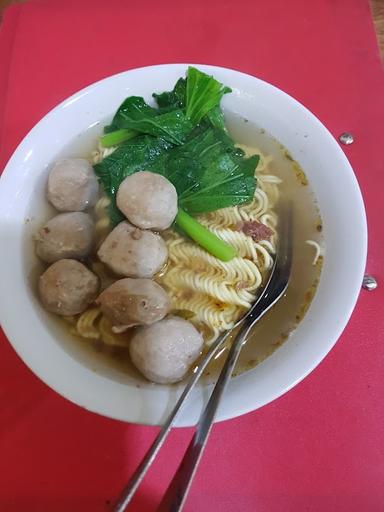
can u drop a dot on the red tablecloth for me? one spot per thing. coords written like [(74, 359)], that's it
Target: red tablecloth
[(321, 446)]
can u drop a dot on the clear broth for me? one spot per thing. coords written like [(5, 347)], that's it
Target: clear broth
[(276, 326)]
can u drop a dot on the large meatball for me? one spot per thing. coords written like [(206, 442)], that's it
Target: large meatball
[(68, 235), (130, 302), (148, 200), (67, 287), (131, 252), (72, 185), (164, 351)]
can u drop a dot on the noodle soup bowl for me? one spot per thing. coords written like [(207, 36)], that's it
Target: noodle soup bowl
[(64, 364)]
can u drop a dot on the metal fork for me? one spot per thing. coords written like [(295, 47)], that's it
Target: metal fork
[(178, 489)]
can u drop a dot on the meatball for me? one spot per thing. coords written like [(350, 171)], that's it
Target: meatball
[(67, 287), (72, 185), (164, 351), (68, 235), (131, 252), (148, 200), (129, 302)]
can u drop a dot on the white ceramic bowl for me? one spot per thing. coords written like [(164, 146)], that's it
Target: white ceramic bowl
[(44, 347)]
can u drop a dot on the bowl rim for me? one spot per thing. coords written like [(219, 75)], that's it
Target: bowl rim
[(11, 330)]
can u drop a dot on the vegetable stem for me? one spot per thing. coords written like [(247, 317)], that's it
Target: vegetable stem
[(205, 238), (117, 137)]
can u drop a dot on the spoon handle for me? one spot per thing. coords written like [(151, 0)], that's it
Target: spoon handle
[(178, 489), (137, 477)]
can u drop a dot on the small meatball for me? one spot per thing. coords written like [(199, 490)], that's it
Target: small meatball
[(68, 235), (131, 252), (72, 185), (148, 200), (164, 351), (131, 302), (67, 287)]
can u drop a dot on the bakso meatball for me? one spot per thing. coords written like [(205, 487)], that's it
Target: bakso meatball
[(130, 302), (148, 200), (164, 351), (72, 185), (68, 235), (67, 287), (132, 252)]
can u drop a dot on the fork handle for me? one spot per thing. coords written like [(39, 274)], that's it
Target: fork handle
[(176, 494)]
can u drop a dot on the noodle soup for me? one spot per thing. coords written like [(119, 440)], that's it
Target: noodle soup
[(212, 294)]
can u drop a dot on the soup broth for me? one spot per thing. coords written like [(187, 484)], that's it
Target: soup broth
[(274, 328)]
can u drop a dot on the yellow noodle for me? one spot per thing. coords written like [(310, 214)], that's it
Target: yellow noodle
[(109, 337), (100, 153), (102, 225), (87, 324), (93, 325), (101, 207), (318, 250)]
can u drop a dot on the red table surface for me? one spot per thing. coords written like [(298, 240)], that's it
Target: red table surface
[(320, 447)]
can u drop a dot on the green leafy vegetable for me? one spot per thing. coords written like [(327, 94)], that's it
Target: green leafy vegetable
[(236, 186), (216, 118), (172, 126), (133, 108), (116, 137), (202, 95), (185, 140), (209, 173), (172, 100), (176, 99), (135, 114)]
